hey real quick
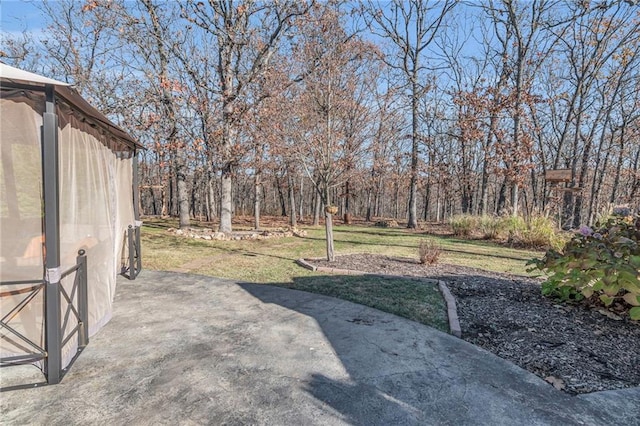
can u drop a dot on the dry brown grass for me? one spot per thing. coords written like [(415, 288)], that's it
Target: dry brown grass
[(429, 252)]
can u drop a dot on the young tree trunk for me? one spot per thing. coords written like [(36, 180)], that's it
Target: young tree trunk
[(328, 225)]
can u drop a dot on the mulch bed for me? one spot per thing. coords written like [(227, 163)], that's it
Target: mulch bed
[(578, 350)]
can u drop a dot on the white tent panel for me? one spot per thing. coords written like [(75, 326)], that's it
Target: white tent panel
[(95, 205), (21, 243), (91, 219)]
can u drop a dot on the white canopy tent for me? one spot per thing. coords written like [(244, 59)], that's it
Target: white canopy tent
[(67, 209)]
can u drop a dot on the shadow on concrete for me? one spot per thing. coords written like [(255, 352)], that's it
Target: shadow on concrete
[(401, 372), (190, 349)]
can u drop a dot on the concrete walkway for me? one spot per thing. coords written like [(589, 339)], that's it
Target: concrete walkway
[(186, 349)]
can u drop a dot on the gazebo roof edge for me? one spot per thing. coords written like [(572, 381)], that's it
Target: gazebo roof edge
[(10, 76)]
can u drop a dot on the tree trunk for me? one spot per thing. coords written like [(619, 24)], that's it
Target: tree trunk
[(328, 226), (616, 179), (427, 194), (211, 196), (226, 201), (635, 185), (163, 200), (484, 190), (396, 205), (293, 222), (502, 197), (316, 210), (413, 184), (256, 201), (514, 199), (301, 200), (283, 203)]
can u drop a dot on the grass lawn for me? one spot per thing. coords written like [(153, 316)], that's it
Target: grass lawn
[(271, 261)]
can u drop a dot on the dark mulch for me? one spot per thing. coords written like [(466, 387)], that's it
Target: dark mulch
[(578, 349)]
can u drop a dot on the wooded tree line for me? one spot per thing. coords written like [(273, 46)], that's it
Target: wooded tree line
[(407, 109)]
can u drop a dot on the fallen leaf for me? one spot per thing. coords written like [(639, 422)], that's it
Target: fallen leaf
[(609, 314), (556, 382)]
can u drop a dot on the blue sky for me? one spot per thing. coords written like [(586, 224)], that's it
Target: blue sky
[(20, 15)]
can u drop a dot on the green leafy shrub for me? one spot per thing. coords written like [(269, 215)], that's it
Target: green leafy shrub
[(462, 224), (601, 263)]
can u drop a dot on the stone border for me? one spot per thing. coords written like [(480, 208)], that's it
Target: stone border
[(452, 311), (305, 264), (211, 234)]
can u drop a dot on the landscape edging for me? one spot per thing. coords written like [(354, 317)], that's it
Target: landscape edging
[(306, 264), (452, 311)]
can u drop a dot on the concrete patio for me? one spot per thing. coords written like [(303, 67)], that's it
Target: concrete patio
[(187, 349)]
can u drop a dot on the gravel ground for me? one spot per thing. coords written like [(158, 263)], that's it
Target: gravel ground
[(576, 349)]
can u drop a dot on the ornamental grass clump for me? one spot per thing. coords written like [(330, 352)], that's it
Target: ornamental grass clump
[(601, 264), (462, 224), (536, 231), (490, 227)]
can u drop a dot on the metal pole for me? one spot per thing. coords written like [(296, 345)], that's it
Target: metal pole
[(135, 260), (136, 193), (83, 300), (132, 252), (138, 251), (53, 365)]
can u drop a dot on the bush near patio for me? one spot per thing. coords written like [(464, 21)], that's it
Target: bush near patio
[(600, 264)]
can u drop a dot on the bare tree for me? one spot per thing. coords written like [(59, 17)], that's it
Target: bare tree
[(411, 27), (247, 34), (329, 134)]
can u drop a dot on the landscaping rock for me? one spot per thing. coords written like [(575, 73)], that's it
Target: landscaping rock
[(386, 223)]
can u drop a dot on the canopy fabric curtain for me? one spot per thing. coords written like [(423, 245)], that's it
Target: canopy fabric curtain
[(21, 233), (95, 211)]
